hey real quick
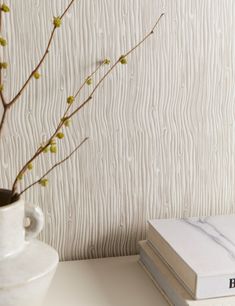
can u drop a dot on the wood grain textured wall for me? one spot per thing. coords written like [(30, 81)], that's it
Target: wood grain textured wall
[(161, 129)]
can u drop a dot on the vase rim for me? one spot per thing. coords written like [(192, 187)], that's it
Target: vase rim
[(8, 192)]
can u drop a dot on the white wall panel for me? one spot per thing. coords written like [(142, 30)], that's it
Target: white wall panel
[(161, 128)]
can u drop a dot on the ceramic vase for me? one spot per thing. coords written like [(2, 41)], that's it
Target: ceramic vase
[(27, 265)]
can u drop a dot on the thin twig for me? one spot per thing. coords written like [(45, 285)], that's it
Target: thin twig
[(3, 118), (54, 166), (82, 86), (66, 10), (41, 60), (4, 103), (146, 37), (34, 70)]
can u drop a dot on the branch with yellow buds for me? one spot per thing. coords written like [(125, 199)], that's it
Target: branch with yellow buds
[(4, 8), (50, 144), (43, 181), (70, 100), (123, 60), (57, 23), (35, 73)]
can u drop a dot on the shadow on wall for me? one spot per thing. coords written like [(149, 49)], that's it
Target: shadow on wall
[(114, 243)]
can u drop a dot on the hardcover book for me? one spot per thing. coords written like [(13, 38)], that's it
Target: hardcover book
[(173, 290), (200, 251)]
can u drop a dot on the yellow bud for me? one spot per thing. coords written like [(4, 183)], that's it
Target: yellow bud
[(30, 166), (46, 149), (53, 149), (52, 141), (107, 61), (70, 99), (89, 81), (3, 65), (1, 87), (123, 60), (20, 177), (60, 135), (5, 8), (43, 182), (67, 122), (36, 75), (57, 22), (3, 42)]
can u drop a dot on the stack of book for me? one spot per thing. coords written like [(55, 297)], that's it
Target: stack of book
[(192, 261)]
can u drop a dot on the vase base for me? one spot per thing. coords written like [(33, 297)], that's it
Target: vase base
[(26, 276)]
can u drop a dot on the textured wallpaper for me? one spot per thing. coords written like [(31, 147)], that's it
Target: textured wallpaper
[(161, 129)]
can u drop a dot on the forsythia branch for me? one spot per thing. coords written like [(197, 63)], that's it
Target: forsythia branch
[(122, 59), (42, 148), (4, 104), (42, 59), (7, 106), (113, 66)]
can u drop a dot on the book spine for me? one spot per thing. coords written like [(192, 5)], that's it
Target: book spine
[(157, 277), (161, 290), (178, 267), (215, 286)]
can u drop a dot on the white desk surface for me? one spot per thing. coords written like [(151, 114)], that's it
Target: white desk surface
[(118, 281)]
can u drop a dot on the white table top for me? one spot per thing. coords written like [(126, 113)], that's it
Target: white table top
[(118, 281)]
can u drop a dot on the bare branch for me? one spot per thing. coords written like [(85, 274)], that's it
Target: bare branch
[(146, 37), (54, 166), (66, 10)]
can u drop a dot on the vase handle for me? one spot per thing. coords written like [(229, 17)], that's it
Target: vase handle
[(35, 219)]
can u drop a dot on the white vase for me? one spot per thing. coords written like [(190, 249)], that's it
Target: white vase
[(26, 264)]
